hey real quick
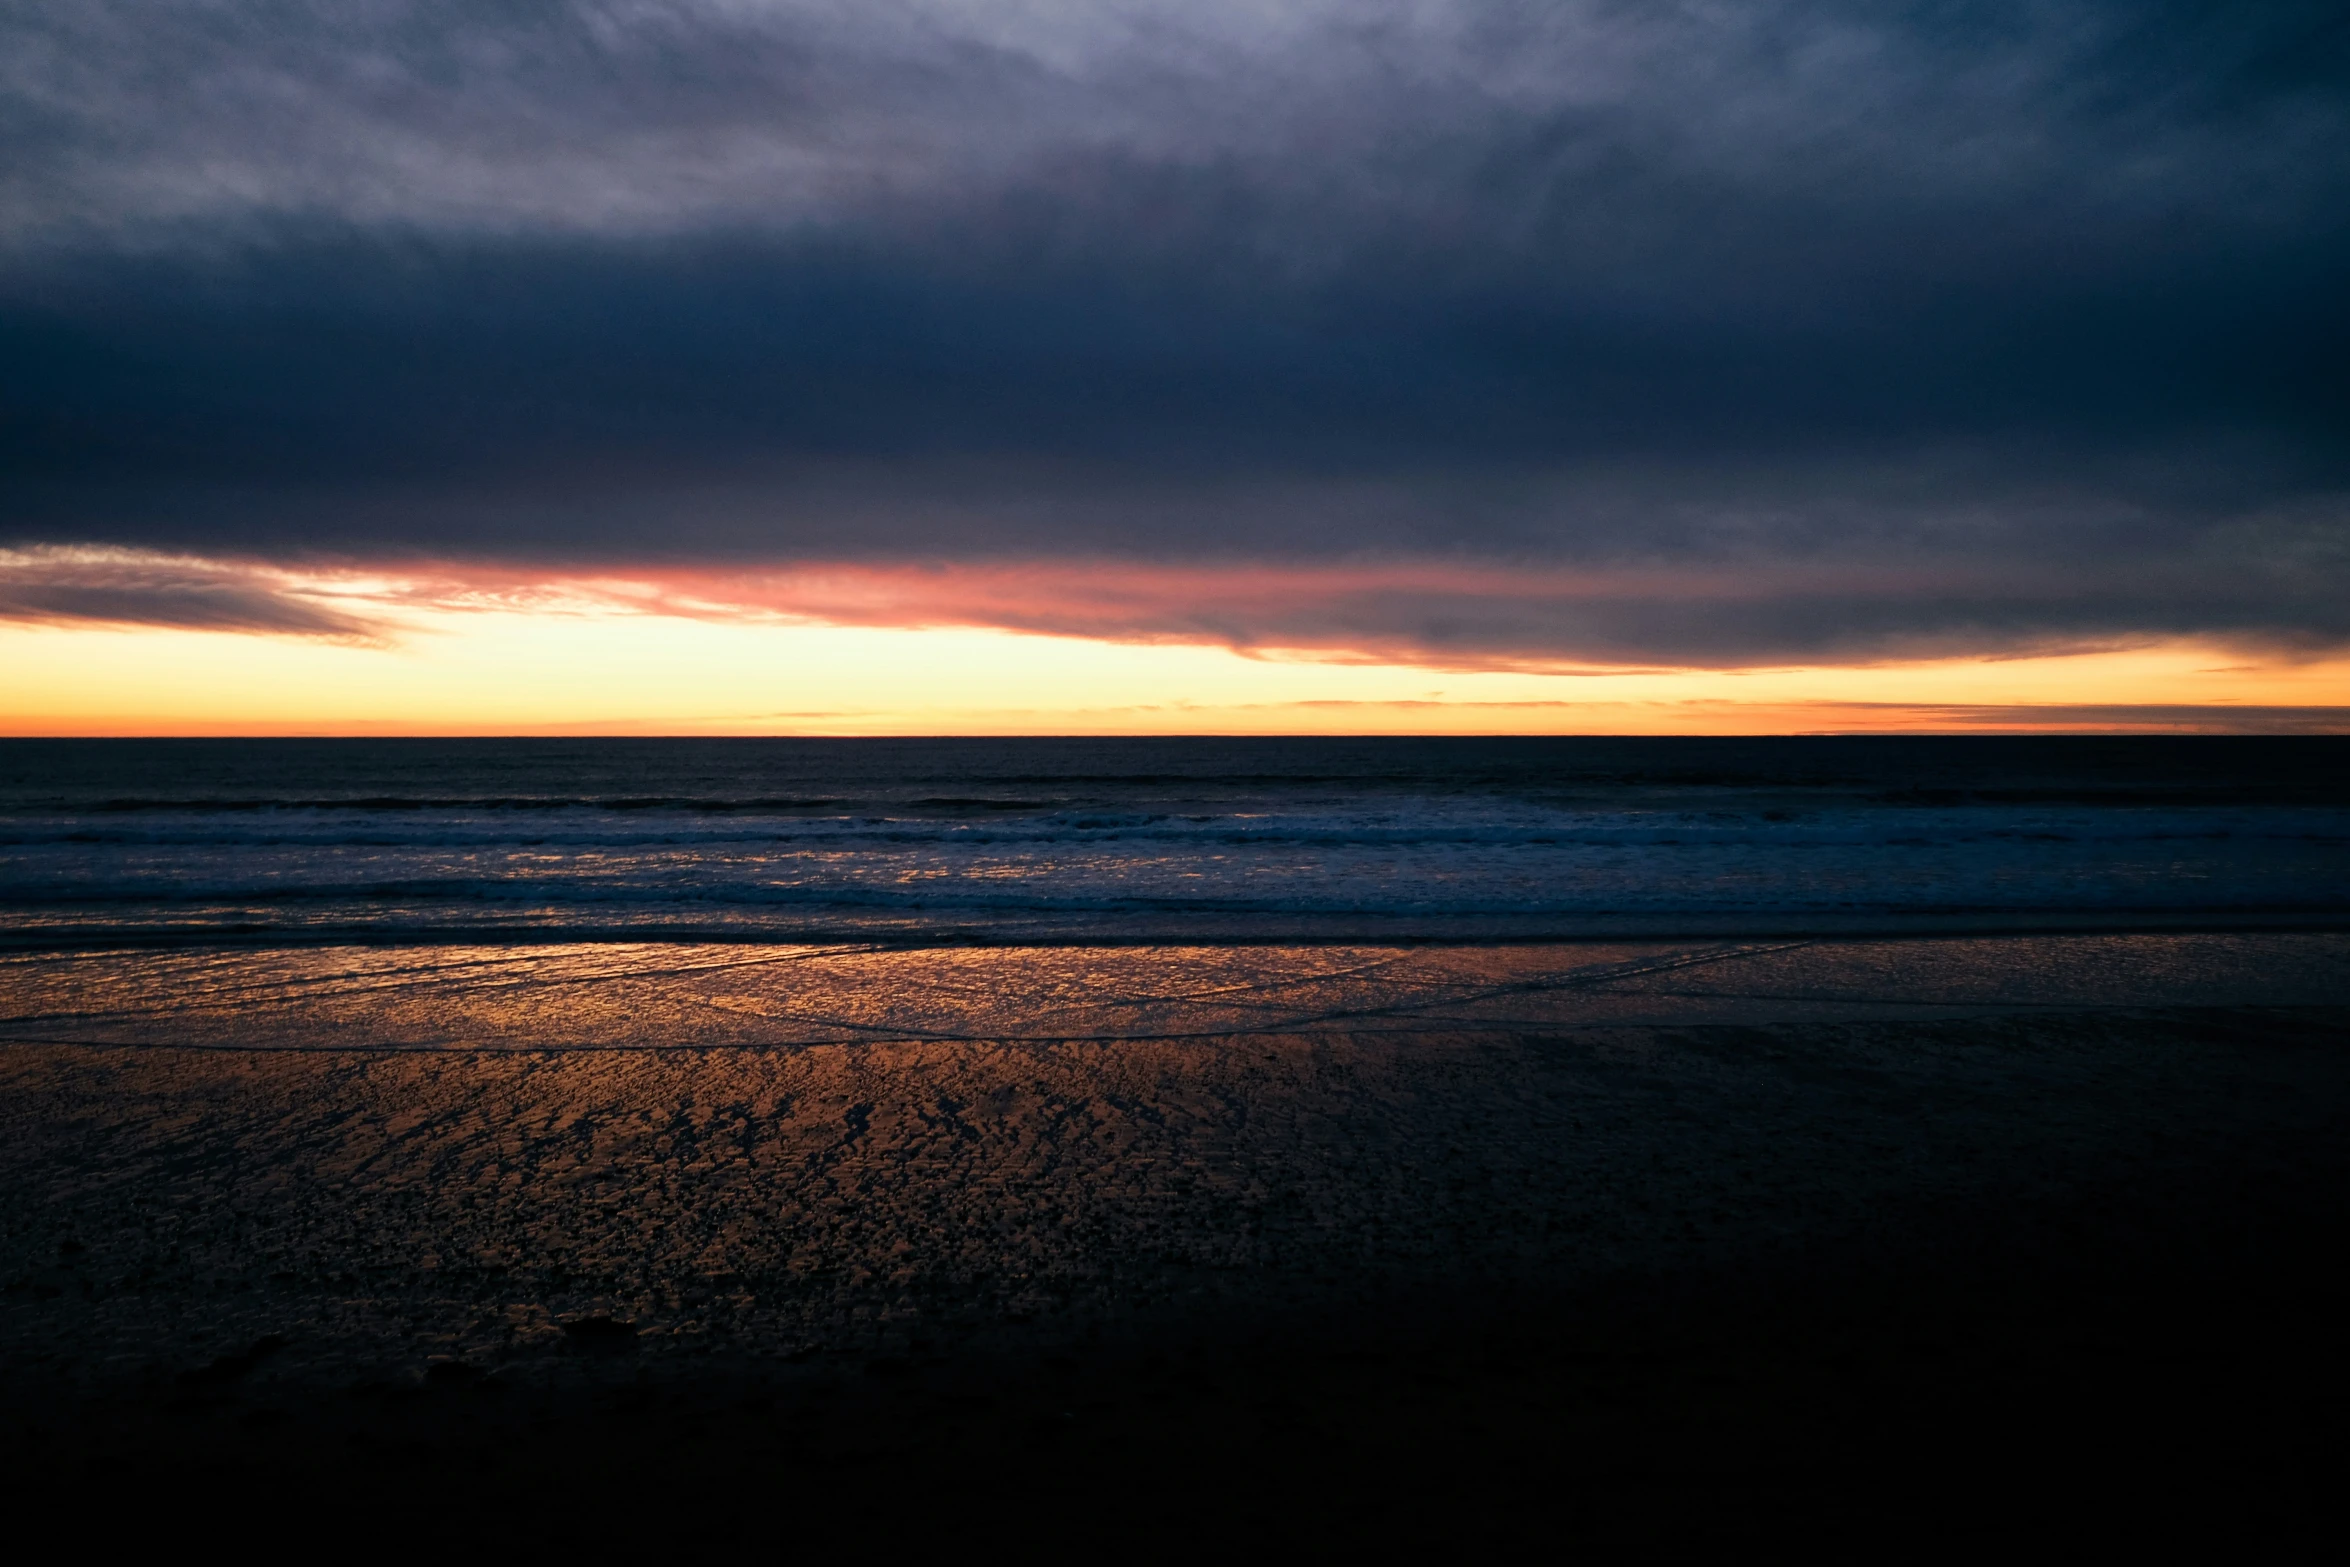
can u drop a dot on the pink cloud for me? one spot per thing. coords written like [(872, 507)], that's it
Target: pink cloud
[(1436, 614)]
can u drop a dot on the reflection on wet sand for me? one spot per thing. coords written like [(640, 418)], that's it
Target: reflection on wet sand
[(389, 1159), (639, 995)]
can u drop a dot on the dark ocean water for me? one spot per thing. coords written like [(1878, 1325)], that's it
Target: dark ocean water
[(1177, 839)]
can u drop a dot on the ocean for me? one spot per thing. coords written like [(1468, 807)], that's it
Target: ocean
[(1022, 841)]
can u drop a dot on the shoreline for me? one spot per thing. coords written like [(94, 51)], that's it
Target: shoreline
[(1345, 931), (622, 997)]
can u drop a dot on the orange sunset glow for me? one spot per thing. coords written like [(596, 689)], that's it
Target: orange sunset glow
[(853, 651)]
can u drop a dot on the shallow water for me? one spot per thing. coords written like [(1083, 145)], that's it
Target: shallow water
[(1172, 840)]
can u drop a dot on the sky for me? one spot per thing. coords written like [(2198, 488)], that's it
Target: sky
[(939, 366)]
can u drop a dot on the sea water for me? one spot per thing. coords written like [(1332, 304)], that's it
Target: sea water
[(1211, 840)]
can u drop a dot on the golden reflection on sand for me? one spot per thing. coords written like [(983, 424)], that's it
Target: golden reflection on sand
[(454, 1151), (649, 995)]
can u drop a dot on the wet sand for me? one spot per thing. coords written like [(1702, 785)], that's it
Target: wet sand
[(1632, 1243)]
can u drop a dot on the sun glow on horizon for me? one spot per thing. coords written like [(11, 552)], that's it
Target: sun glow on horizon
[(584, 670)]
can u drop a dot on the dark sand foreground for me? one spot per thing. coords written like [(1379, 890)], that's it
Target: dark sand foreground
[(1138, 1251)]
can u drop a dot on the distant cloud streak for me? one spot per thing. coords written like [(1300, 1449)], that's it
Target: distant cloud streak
[(136, 588), (1439, 615)]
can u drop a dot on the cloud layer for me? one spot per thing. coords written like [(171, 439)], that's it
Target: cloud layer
[(138, 587), (1695, 333)]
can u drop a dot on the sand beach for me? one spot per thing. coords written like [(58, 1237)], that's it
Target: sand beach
[(1686, 1240)]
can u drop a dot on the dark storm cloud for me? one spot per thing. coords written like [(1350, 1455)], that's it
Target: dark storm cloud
[(1949, 325)]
